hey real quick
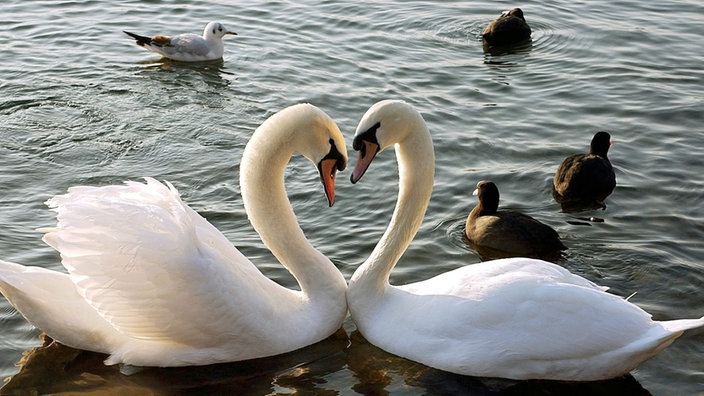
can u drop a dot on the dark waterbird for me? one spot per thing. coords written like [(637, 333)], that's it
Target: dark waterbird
[(583, 181), (507, 230), (509, 29)]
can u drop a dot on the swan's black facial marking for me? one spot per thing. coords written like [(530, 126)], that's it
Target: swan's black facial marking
[(334, 153), (327, 168), (369, 135), (368, 146)]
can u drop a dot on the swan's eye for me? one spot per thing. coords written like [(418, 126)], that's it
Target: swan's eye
[(368, 135), (334, 153)]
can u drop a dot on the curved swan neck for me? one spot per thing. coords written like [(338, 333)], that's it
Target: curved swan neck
[(262, 172), (416, 166)]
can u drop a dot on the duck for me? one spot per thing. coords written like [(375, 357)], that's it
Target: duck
[(508, 29), (187, 47), (507, 230), (583, 181), (515, 318), (149, 282)]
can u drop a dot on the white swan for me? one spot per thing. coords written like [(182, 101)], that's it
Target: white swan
[(514, 318), (152, 283)]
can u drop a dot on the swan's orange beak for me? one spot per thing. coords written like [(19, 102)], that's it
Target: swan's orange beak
[(367, 152), (328, 170)]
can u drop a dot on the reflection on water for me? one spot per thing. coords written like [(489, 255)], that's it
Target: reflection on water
[(53, 368), (487, 253), (494, 51), (381, 373), (186, 73)]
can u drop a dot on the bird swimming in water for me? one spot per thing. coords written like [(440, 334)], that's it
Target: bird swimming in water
[(509, 29), (188, 47)]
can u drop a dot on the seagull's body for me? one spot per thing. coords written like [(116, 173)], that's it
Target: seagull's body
[(187, 47)]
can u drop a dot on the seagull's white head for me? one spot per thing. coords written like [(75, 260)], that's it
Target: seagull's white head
[(215, 30)]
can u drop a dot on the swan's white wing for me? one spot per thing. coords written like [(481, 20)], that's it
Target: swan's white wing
[(518, 297), (523, 315), (151, 266), (473, 281)]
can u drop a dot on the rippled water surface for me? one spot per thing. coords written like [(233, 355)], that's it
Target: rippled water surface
[(81, 104)]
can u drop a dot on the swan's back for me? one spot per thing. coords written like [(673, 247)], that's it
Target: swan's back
[(520, 319)]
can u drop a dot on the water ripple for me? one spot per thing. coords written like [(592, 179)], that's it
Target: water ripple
[(82, 104)]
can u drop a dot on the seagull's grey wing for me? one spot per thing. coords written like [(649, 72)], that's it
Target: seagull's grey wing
[(188, 44)]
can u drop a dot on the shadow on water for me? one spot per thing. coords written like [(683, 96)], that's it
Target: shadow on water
[(491, 52), (209, 72), (504, 61), (54, 368), (578, 205)]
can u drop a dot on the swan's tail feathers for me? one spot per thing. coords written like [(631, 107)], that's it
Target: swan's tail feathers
[(680, 325), (50, 302), (8, 277), (15, 279)]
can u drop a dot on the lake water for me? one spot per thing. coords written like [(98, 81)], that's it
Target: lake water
[(81, 104)]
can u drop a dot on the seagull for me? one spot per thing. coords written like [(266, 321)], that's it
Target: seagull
[(187, 47)]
